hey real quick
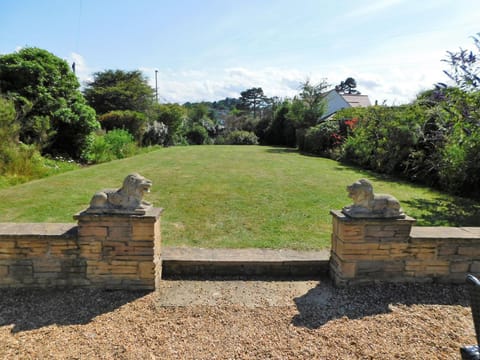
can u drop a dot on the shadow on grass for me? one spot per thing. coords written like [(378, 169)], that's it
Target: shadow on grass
[(445, 212), (28, 309), (281, 150), (325, 302)]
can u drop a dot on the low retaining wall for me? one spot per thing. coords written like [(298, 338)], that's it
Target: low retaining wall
[(372, 250), (107, 251)]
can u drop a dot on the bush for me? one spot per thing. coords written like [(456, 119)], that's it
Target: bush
[(116, 144), (321, 139), (197, 135), (134, 122), (240, 137), (384, 138), (156, 133)]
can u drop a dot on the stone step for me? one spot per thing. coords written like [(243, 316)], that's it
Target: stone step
[(180, 262)]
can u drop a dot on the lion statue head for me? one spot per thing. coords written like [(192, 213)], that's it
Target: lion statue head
[(361, 192)]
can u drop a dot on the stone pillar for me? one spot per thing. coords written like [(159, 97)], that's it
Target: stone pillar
[(368, 250), (122, 251)]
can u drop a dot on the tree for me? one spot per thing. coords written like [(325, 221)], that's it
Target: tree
[(119, 90), (347, 87), (51, 110), (465, 66), (307, 108), (253, 99)]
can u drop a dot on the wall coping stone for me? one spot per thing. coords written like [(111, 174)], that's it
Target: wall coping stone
[(433, 232), (152, 213), (68, 230), (344, 218)]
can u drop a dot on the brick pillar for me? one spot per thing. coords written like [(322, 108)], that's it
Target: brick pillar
[(121, 251), (368, 250)]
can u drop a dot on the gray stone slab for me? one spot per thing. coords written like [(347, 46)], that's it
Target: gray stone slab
[(242, 255), (38, 229), (439, 232)]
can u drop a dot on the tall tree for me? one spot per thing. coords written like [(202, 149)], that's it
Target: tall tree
[(113, 90), (52, 112), (348, 86), (253, 99)]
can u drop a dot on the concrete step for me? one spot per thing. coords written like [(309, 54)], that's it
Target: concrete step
[(180, 262)]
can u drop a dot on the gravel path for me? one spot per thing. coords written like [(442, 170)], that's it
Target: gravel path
[(238, 320)]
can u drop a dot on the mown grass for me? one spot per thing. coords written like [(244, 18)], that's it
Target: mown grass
[(232, 196)]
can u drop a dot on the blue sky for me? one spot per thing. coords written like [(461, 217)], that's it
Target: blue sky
[(211, 49)]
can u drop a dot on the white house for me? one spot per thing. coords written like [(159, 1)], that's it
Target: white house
[(336, 101)]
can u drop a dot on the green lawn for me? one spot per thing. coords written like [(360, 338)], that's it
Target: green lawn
[(232, 196)]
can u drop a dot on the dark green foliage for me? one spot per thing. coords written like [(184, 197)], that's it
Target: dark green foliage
[(280, 130), (253, 100), (384, 138), (113, 90), (322, 138), (132, 121), (115, 144), (172, 115), (240, 137), (52, 112), (197, 135), (308, 107)]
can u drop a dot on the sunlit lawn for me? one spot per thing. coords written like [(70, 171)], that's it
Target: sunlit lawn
[(232, 196)]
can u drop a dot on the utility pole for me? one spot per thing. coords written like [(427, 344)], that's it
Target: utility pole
[(156, 86)]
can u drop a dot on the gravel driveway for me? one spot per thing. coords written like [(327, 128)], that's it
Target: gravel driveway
[(240, 319)]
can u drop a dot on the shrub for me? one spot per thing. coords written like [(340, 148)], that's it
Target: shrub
[(321, 139), (240, 137), (134, 122), (116, 144), (156, 133), (197, 135), (384, 138)]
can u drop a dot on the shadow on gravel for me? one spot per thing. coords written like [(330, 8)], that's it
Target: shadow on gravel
[(325, 302), (28, 309)]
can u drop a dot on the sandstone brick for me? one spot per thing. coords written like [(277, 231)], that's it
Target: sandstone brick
[(119, 233), (3, 271), (350, 233), (95, 231), (447, 250), (7, 244), (471, 251), (146, 270), (475, 267), (46, 265), (143, 231), (459, 267)]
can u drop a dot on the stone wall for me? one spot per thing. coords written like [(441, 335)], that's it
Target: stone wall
[(393, 250), (107, 251)]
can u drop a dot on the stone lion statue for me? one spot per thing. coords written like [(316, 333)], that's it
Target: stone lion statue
[(128, 199), (367, 204)]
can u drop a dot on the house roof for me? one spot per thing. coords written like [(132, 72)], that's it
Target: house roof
[(357, 100), (336, 101)]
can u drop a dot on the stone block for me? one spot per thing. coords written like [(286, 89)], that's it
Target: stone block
[(146, 270), (475, 267), (351, 233), (470, 251), (99, 232), (459, 267), (143, 231), (3, 271)]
